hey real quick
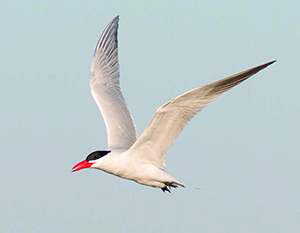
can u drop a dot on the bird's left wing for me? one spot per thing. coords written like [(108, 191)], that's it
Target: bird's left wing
[(170, 118)]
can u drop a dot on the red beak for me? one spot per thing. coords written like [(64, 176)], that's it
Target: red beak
[(81, 165)]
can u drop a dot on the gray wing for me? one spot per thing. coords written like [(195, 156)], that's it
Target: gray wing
[(170, 119), (105, 89)]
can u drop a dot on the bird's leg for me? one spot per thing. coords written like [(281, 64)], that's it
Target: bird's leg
[(164, 189), (169, 185)]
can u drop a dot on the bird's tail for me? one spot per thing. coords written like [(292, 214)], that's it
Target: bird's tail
[(178, 183)]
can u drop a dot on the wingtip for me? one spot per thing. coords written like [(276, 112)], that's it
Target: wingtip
[(273, 62), (263, 66), (114, 21), (270, 63), (111, 30), (116, 18)]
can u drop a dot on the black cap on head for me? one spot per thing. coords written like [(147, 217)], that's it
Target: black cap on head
[(97, 155)]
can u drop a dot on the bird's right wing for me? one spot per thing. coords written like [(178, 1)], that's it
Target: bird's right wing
[(170, 119), (105, 88)]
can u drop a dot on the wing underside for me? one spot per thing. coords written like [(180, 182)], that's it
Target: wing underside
[(105, 89), (170, 119)]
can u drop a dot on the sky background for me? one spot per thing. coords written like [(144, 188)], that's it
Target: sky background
[(242, 150)]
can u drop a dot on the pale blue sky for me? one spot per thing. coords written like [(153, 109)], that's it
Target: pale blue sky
[(242, 151)]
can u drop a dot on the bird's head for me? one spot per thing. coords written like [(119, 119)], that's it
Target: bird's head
[(90, 160)]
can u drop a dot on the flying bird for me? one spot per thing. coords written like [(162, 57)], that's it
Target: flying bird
[(142, 159)]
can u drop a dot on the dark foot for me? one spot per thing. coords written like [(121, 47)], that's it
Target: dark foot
[(165, 189), (169, 185)]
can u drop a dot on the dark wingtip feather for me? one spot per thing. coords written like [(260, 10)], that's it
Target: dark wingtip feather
[(110, 32), (225, 84), (268, 63)]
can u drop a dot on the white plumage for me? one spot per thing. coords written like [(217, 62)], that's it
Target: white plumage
[(142, 159)]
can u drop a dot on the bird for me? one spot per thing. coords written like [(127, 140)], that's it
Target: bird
[(142, 159)]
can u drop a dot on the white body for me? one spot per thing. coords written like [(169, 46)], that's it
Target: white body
[(126, 166)]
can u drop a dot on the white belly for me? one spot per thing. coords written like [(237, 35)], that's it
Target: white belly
[(128, 167)]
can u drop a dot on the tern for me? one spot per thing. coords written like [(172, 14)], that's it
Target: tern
[(142, 159)]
